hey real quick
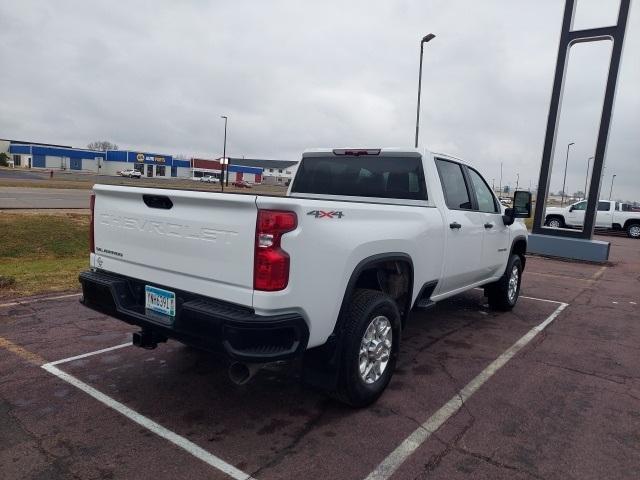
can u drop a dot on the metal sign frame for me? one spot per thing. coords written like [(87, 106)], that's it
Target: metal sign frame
[(568, 38)]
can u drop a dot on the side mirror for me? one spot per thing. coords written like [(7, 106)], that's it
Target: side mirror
[(571, 208), (521, 207)]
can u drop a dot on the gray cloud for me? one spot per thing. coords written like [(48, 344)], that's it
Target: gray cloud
[(290, 75)]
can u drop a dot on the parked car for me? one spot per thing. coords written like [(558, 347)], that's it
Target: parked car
[(314, 274), (610, 215), (241, 184), (209, 179), (131, 173)]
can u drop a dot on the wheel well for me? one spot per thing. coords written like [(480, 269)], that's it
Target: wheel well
[(554, 215), (631, 221), (393, 277), (520, 248)]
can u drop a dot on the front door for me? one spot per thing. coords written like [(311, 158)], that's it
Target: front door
[(149, 170), (464, 231), (496, 233), (575, 216)]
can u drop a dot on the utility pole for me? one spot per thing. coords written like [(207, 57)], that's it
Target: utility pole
[(611, 191), (517, 180), (424, 40), (564, 181), (500, 179), (224, 154)]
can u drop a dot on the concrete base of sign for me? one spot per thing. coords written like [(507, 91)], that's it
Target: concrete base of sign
[(573, 248)]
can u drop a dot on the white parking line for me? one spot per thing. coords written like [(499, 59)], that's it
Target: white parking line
[(35, 300), (150, 425), (90, 354), (396, 458)]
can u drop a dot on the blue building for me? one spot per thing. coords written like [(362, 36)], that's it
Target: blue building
[(58, 157)]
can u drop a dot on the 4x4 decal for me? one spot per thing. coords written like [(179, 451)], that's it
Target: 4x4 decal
[(323, 214)]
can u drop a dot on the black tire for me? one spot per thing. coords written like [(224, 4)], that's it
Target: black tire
[(498, 292), (550, 220), (633, 230), (364, 306)]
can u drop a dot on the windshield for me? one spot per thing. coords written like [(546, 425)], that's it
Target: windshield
[(362, 176)]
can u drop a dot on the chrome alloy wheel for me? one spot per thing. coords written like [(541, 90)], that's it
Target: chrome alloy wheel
[(554, 223), (513, 284), (375, 349), (634, 231)]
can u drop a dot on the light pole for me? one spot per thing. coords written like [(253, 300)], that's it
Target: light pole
[(500, 186), (564, 181), (424, 40), (224, 154), (517, 180), (611, 191), (587, 177)]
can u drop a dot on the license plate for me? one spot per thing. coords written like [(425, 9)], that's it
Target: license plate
[(159, 300)]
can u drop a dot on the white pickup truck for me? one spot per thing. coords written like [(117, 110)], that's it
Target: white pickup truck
[(329, 272), (610, 215)]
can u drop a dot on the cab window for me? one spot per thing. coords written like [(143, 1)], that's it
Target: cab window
[(454, 185), (579, 206), (603, 206), (486, 200)]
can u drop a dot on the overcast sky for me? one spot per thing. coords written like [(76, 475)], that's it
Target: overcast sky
[(157, 75)]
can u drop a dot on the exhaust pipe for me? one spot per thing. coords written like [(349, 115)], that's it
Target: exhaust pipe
[(240, 373)]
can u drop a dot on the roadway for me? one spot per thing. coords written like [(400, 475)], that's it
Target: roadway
[(42, 198)]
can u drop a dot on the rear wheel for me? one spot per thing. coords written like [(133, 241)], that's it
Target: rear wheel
[(503, 294), (633, 230), (371, 341)]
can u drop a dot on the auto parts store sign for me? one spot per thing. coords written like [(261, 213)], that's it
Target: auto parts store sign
[(150, 158)]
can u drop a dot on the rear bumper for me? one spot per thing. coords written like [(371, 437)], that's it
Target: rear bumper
[(200, 321)]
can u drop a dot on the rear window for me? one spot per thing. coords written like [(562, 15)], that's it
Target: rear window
[(362, 176)]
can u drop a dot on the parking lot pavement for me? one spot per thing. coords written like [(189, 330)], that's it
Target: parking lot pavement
[(20, 197), (567, 405)]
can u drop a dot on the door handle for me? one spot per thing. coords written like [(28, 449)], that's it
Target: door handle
[(455, 225), (488, 225)]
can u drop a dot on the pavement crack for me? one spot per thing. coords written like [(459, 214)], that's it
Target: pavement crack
[(497, 463), (286, 450), (589, 374)]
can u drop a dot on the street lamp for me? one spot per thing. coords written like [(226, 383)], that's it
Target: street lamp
[(224, 155), (517, 180), (564, 181), (587, 177), (424, 40), (500, 187), (611, 191)]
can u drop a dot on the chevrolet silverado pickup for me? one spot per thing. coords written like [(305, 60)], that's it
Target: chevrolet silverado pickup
[(328, 272), (610, 215)]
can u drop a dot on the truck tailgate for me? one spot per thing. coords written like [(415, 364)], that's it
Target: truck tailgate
[(202, 242)]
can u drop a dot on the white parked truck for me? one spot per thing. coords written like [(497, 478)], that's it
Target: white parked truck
[(610, 215), (328, 273)]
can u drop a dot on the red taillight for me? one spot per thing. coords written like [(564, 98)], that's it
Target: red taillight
[(271, 267), (92, 205)]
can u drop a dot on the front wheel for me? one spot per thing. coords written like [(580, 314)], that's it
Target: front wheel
[(554, 222), (633, 230), (503, 294), (370, 347)]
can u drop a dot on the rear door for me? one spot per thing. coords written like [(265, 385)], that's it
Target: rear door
[(464, 230), (604, 215), (495, 244), (201, 242)]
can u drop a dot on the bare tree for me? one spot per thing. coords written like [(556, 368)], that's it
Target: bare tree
[(102, 145)]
